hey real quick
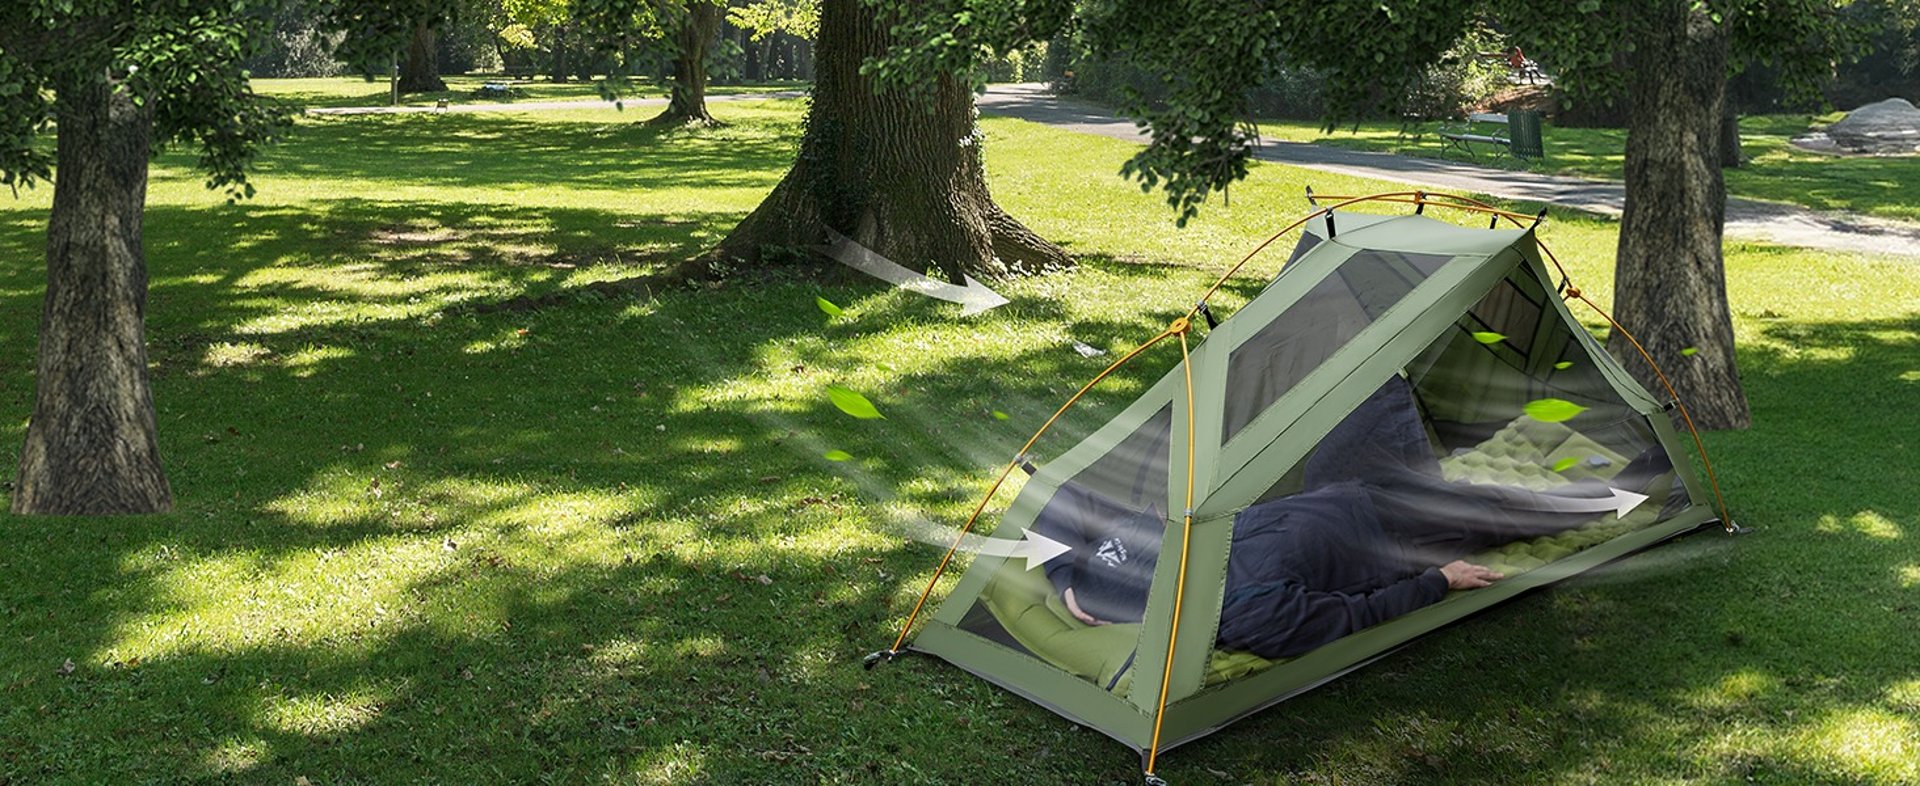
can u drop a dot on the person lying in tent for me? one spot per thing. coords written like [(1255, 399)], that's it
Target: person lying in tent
[(1376, 533)]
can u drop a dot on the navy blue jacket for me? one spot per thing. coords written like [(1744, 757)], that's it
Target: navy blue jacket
[(1308, 569)]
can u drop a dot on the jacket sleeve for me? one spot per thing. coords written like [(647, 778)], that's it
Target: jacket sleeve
[(1284, 619)]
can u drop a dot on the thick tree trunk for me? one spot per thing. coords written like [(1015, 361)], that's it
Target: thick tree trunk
[(900, 175), (90, 447), (1670, 280), (420, 72), (687, 104)]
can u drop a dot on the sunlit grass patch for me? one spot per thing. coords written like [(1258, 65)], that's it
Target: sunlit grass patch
[(599, 538)]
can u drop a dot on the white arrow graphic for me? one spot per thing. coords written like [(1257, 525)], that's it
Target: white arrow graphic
[(1621, 503), (973, 298), (1035, 548)]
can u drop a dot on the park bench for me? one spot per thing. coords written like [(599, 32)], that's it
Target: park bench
[(1483, 128), (1478, 128)]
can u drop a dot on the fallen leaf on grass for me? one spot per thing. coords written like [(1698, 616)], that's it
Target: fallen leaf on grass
[(65, 668)]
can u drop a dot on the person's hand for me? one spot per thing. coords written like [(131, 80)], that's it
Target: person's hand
[(1461, 575), (1078, 613)]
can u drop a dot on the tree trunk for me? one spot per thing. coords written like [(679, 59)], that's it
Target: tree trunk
[(751, 68), (802, 59), (1730, 153), (91, 447), (1669, 277), (420, 72), (899, 175), (687, 104), (559, 55)]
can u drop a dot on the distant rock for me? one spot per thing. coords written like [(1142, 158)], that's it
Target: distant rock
[(1885, 127)]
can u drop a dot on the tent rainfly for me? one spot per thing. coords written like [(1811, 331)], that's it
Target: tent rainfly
[(1225, 466)]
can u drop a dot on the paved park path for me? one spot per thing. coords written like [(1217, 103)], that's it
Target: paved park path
[(1746, 219)]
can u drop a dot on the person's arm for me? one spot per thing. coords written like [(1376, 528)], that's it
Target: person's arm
[(1284, 618)]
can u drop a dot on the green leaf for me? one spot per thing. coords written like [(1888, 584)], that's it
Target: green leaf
[(1565, 463), (1553, 410), (853, 403), (828, 307), (838, 455), (998, 415), (1689, 352), (1563, 365), (1488, 337)]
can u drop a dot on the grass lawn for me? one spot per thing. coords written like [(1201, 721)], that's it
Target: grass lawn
[(1775, 171), (462, 89), (422, 542)]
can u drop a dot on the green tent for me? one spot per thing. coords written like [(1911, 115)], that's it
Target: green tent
[(1472, 321)]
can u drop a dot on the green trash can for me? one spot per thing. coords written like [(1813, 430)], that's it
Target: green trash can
[(1523, 133)]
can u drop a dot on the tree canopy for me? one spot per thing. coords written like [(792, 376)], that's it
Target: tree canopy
[(181, 59)]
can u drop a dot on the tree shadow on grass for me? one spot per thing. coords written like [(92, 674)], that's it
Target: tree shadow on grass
[(425, 544), (441, 545), (608, 151)]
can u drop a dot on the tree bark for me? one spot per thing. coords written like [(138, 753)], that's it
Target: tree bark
[(91, 447), (420, 72), (1670, 278), (687, 104), (900, 174)]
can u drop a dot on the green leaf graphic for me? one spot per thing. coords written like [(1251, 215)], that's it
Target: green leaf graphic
[(838, 455), (1565, 464), (1488, 337), (828, 307), (853, 403), (998, 415), (1563, 365), (1553, 410), (1689, 352)]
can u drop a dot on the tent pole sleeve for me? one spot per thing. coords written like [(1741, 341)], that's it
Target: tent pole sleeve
[(1186, 535)]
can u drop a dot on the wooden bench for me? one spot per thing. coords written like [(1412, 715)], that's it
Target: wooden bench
[(1477, 128)]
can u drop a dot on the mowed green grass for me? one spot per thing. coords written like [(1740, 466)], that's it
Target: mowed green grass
[(420, 541), (464, 89), (1774, 171)]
